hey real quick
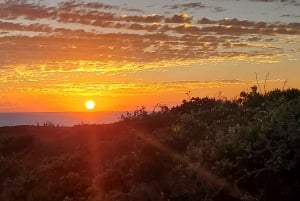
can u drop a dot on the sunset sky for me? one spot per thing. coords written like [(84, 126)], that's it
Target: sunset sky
[(55, 55)]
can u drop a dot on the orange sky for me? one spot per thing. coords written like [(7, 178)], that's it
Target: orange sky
[(56, 55)]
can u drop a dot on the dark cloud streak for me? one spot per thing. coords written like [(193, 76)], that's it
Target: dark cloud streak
[(186, 6), (179, 18)]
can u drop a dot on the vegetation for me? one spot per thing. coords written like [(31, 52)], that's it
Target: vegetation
[(204, 149)]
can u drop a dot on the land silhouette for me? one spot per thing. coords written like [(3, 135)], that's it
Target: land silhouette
[(203, 149)]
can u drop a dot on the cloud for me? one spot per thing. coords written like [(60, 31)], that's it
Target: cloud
[(133, 10), (235, 26), (236, 22), (154, 18), (15, 9), (113, 89), (194, 5), (179, 18), (290, 16), (73, 5), (186, 6), (86, 18), (281, 1), (31, 27), (252, 39), (95, 31), (205, 20), (71, 11)]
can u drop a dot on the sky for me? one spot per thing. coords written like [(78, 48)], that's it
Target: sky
[(56, 55)]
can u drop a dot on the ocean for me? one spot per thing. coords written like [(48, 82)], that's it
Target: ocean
[(58, 118)]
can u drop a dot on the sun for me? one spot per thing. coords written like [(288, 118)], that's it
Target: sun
[(90, 104)]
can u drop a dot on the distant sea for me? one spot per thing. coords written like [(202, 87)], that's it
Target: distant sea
[(58, 118)]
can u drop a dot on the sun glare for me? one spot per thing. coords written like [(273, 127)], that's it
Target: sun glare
[(90, 104)]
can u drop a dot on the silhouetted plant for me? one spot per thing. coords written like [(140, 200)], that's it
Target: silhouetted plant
[(253, 143)]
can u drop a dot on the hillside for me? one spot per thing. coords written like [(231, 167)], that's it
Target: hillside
[(204, 149)]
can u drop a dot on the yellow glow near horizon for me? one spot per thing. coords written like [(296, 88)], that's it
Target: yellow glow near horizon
[(90, 104)]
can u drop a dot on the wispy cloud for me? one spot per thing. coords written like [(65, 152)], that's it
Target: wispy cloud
[(179, 18), (186, 6), (120, 88)]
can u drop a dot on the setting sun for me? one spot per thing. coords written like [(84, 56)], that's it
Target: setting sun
[(90, 104)]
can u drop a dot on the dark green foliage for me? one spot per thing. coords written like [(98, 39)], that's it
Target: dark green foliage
[(205, 149)]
